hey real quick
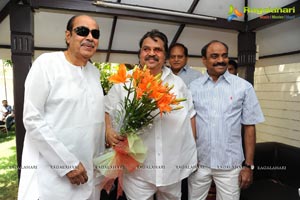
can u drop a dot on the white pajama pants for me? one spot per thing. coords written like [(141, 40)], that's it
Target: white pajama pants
[(227, 183), (137, 189)]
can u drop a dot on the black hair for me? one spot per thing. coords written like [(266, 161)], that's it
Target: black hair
[(233, 63), (154, 33), (70, 23), (204, 49), (185, 50), (70, 26)]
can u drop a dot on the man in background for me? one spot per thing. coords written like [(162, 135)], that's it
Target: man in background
[(232, 67), (5, 111), (178, 58)]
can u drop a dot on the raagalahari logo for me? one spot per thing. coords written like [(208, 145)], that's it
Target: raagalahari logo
[(233, 13), (273, 13)]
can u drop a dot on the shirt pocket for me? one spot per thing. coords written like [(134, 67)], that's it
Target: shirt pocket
[(236, 103)]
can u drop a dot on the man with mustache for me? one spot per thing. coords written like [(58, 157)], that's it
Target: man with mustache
[(171, 154), (223, 103), (64, 119), (178, 62)]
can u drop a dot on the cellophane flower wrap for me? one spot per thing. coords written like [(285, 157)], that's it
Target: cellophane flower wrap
[(146, 98)]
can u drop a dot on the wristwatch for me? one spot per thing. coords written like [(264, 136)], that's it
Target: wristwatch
[(248, 166)]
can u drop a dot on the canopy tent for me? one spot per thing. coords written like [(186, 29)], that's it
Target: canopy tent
[(121, 28)]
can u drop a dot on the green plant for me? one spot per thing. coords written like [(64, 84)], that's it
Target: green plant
[(7, 63), (8, 168), (106, 69)]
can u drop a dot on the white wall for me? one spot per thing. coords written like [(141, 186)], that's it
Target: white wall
[(279, 38), (278, 90), (6, 83), (278, 60)]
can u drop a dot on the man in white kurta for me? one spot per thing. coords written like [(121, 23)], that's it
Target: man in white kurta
[(64, 121), (171, 154)]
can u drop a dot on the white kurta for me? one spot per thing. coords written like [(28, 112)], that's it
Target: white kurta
[(64, 122), (172, 154)]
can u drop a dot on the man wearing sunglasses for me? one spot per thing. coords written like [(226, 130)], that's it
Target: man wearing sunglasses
[(64, 119)]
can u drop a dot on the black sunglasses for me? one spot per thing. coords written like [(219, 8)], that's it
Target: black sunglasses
[(84, 31)]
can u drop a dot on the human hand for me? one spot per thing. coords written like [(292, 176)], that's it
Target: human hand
[(112, 137), (78, 176), (245, 178)]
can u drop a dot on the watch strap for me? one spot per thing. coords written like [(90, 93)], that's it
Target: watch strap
[(248, 166)]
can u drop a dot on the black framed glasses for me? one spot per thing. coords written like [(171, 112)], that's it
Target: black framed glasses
[(84, 31)]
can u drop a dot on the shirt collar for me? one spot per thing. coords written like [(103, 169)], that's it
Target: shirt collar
[(226, 76), (185, 68), (165, 72)]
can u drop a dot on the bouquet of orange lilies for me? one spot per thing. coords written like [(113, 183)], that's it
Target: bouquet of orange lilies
[(146, 98)]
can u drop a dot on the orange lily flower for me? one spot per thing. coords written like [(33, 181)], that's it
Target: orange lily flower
[(121, 76), (164, 103)]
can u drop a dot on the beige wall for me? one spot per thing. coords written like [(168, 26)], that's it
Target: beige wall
[(278, 90)]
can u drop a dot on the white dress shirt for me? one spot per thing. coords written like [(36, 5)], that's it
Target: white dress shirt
[(64, 121), (3, 112), (171, 154)]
